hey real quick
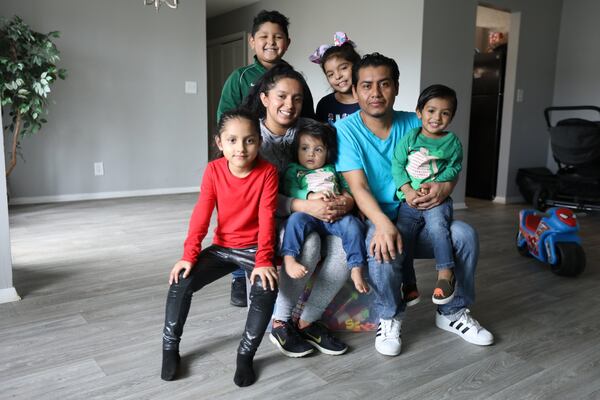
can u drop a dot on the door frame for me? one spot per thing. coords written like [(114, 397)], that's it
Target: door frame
[(209, 44), (508, 109)]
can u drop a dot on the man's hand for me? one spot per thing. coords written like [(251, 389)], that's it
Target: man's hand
[(386, 242)]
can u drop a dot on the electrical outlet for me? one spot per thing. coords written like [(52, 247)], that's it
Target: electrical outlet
[(99, 168)]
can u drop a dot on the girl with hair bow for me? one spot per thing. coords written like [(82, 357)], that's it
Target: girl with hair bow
[(336, 62)]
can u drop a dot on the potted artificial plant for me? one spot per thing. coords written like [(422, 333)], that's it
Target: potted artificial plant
[(27, 70)]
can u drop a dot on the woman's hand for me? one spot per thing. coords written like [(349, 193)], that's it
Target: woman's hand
[(326, 209), (318, 195), (267, 275), (177, 268)]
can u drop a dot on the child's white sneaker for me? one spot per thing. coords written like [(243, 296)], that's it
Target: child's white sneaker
[(465, 326), (387, 339)]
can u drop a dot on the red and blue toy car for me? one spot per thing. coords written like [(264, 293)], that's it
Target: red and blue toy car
[(552, 238)]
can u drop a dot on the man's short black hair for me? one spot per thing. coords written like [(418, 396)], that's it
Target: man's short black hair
[(271, 16), (375, 60)]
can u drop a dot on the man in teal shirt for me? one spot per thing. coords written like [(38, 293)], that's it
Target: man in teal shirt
[(366, 141)]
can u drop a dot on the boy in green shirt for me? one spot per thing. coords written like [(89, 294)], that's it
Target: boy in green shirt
[(429, 154), (270, 40)]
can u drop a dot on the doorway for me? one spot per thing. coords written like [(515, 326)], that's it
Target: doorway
[(492, 34), (224, 55)]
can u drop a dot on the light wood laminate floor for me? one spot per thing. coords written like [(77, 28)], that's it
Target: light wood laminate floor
[(93, 277)]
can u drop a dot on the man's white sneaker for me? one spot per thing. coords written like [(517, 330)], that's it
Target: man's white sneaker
[(387, 339), (466, 327)]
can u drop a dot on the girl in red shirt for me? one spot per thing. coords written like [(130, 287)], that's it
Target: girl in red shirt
[(243, 188)]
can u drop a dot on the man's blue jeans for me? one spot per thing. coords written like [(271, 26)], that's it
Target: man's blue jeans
[(386, 278)]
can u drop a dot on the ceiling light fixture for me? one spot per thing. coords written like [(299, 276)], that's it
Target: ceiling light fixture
[(157, 3)]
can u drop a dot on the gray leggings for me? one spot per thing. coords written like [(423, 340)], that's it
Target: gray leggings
[(332, 276)]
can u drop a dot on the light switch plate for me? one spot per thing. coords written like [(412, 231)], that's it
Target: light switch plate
[(191, 87)]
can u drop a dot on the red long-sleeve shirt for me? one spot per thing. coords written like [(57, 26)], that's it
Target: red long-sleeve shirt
[(245, 211)]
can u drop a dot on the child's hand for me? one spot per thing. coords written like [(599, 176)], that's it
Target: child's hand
[(410, 195), (180, 265), (318, 196), (267, 275), (423, 191)]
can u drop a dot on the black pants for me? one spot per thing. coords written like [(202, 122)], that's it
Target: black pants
[(213, 263)]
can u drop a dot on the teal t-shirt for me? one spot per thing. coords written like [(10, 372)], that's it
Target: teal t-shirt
[(359, 148)]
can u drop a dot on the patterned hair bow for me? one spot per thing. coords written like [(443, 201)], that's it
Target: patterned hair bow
[(338, 39)]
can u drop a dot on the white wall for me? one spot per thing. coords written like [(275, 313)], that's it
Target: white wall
[(432, 41), (448, 50), (7, 292), (448, 59), (578, 61), (123, 102), (535, 74), (391, 27)]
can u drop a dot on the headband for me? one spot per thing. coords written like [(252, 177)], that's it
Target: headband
[(338, 39)]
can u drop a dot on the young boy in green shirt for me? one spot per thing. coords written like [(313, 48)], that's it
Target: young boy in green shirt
[(269, 40), (429, 154)]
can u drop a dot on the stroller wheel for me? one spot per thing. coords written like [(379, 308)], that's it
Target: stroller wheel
[(571, 259), (539, 198)]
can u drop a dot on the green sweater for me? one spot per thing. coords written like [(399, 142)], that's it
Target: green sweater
[(300, 181), (239, 83), (418, 158)]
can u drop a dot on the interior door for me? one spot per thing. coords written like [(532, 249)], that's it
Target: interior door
[(224, 55)]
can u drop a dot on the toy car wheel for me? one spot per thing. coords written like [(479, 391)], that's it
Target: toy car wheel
[(539, 199), (571, 259), (522, 249)]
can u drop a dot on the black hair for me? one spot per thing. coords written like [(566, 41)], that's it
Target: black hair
[(345, 51), (437, 91), (270, 16), (375, 60), (266, 83), (238, 113), (318, 130)]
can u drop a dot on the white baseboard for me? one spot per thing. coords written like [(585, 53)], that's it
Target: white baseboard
[(9, 294), (460, 206), (101, 195), (508, 200)]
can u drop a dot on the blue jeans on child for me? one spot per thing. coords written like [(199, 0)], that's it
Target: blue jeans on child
[(436, 221), (386, 278), (349, 228)]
